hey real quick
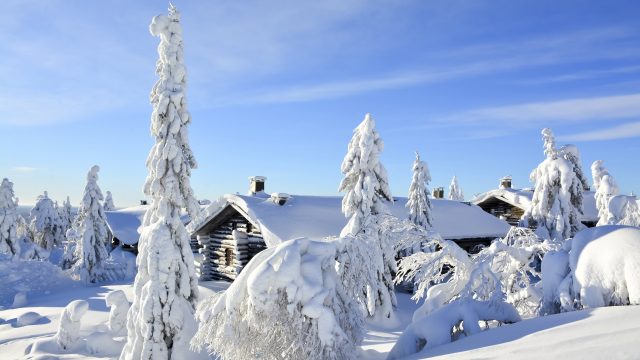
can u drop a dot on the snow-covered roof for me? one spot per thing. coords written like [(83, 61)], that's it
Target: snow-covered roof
[(321, 216), (124, 223), (522, 198)]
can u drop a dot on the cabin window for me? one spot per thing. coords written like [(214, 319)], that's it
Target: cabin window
[(228, 255)]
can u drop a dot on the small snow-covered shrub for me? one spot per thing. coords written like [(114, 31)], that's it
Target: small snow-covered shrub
[(288, 303), (600, 268), (506, 269), (119, 305), (70, 322), (439, 327), (623, 210)]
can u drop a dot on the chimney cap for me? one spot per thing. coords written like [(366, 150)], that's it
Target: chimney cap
[(258, 178)]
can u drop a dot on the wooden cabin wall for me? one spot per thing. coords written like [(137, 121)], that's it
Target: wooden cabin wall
[(224, 255)]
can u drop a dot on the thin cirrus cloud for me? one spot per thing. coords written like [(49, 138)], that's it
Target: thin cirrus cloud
[(623, 131), (561, 111), (24, 169)]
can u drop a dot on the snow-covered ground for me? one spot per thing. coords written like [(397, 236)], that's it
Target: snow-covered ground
[(611, 332)]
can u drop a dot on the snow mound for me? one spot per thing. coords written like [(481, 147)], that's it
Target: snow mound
[(31, 277), (287, 303), (19, 300), (102, 344), (28, 318), (605, 261)]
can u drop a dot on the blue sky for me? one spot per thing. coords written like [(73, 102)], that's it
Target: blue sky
[(276, 88)]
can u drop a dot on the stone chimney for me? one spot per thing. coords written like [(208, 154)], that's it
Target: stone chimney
[(256, 184), (438, 193), (505, 182)]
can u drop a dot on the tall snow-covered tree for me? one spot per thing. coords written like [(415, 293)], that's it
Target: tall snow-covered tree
[(9, 241), (108, 202), (605, 187), (166, 286), (419, 204), (90, 230), (571, 153), (365, 180), (556, 205), (45, 223), (367, 260), (455, 193)]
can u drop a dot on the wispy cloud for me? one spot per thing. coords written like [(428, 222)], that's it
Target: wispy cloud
[(24, 169), (561, 111), (623, 131), (583, 75), (464, 62)]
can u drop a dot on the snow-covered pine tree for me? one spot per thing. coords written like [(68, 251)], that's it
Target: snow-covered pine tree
[(556, 205), (66, 215), (166, 286), (455, 193), (9, 241), (605, 187), (571, 153), (91, 249), (623, 210), (419, 204), (45, 223), (367, 260), (108, 202)]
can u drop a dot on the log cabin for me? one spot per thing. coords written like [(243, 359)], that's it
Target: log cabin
[(510, 204), (236, 227)]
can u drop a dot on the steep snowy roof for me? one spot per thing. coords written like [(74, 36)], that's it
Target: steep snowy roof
[(321, 216), (522, 198)]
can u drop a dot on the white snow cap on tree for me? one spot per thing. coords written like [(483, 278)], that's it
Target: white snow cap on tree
[(45, 223), (623, 210), (90, 229), (419, 204), (9, 241), (455, 193), (365, 179), (605, 187), (556, 205), (70, 321), (166, 286), (119, 305), (108, 202)]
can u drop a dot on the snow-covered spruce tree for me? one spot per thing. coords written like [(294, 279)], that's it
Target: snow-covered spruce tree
[(9, 241), (455, 193), (66, 215), (623, 210), (419, 204), (605, 187), (108, 202), (91, 250), (45, 223), (288, 303), (571, 153), (166, 286), (366, 260), (556, 205)]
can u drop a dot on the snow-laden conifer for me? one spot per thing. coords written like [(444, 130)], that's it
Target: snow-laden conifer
[(367, 259), (556, 205), (605, 187), (108, 202), (90, 228), (45, 223), (623, 210), (455, 193), (166, 286), (571, 153), (9, 241), (66, 215), (419, 204)]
